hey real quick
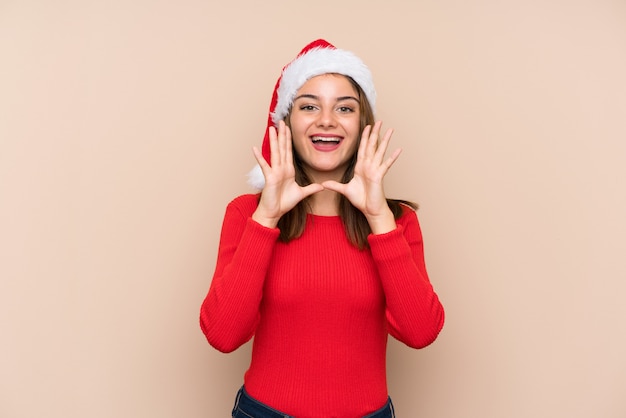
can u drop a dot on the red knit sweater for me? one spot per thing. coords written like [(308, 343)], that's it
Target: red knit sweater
[(319, 310)]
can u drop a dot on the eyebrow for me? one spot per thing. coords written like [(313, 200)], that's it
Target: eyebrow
[(314, 97)]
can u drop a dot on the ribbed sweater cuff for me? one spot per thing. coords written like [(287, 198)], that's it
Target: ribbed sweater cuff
[(389, 246), (258, 239)]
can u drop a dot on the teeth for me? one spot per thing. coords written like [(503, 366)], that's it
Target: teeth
[(324, 139)]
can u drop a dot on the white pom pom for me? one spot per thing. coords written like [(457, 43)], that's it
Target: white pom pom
[(256, 179)]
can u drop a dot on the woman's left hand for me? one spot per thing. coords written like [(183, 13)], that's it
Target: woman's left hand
[(365, 190)]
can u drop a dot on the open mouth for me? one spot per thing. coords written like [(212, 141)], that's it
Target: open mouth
[(322, 140)]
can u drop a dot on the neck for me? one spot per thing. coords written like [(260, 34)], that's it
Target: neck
[(325, 203), (322, 176)]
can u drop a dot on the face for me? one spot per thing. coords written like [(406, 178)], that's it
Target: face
[(325, 126)]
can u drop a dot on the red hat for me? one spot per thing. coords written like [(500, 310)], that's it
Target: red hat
[(317, 58)]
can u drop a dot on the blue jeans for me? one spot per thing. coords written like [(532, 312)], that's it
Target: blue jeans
[(248, 407)]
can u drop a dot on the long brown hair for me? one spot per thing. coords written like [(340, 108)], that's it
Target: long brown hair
[(292, 223)]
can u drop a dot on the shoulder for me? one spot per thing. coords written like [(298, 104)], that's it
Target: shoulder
[(406, 208), (402, 208), (408, 214), (246, 200), (246, 204)]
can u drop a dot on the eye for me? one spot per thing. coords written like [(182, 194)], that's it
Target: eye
[(345, 109), (308, 108)]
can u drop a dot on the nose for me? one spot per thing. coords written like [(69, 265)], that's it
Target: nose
[(326, 118)]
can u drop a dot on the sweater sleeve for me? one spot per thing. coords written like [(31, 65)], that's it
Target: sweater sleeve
[(414, 313), (230, 312)]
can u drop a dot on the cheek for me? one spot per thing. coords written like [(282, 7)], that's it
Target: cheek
[(355, 134), (298, 133), (354, 147), (298, 142), (354, 126), (297, 126)]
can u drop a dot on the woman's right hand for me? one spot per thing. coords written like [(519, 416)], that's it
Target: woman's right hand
[(281, 192)]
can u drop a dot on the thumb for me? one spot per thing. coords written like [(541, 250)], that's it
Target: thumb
[(335, 186), (312, 189)]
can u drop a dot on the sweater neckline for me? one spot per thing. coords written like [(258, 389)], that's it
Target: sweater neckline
[(324, 218)]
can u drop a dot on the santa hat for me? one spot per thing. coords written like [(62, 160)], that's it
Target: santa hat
[(317, 58)]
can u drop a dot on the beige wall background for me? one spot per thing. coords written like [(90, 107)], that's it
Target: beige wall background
[(127, 126)]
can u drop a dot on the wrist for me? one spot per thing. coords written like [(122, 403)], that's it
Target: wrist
[(383, 223), (268, 222)]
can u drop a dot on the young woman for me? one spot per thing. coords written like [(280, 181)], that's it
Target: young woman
[(320, 266)]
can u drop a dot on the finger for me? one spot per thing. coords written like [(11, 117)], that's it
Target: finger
[(265, 167), (274, 153), (364, 140), (258, 155), (282, 143), (384, 144), (373, 139), (392, 159), (288, 146)]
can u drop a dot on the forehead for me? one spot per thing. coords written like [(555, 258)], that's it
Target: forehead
[(328, 85)]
